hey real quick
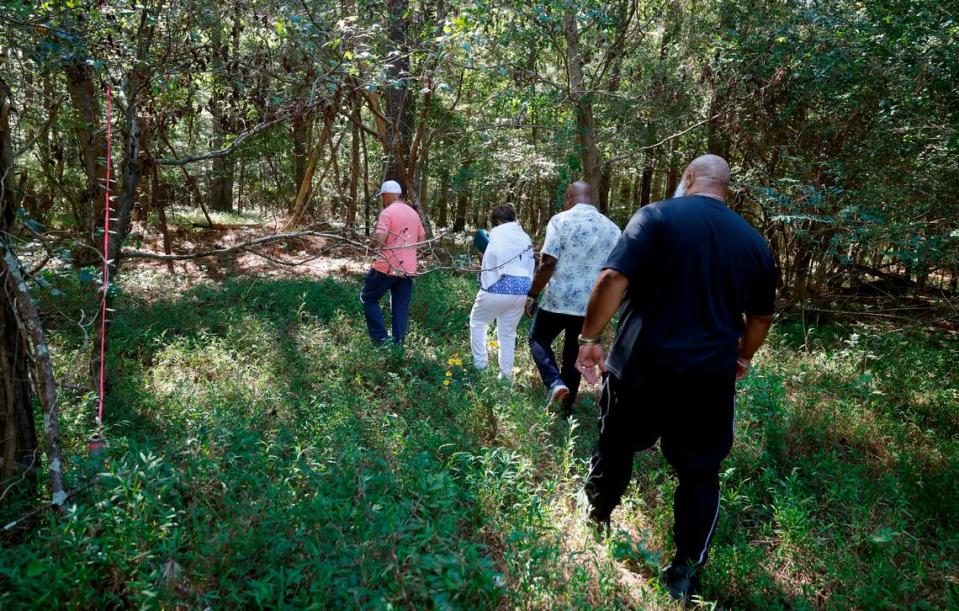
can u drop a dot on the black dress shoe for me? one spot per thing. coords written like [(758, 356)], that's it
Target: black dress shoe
[(682, 582)]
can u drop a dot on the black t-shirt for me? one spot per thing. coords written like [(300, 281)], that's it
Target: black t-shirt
[(694, 268)]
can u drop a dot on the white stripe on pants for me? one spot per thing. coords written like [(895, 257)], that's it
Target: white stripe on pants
[(506, 310)]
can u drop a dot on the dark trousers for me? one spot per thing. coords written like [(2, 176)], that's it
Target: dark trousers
[(693, 417), (546, 327), (401, 292)]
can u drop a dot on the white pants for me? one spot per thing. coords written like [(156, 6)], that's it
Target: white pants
[(506, 310)]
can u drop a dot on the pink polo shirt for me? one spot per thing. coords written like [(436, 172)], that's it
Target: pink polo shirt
[(403, 227)]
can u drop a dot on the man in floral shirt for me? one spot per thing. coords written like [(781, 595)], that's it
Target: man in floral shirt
[(578, 242)]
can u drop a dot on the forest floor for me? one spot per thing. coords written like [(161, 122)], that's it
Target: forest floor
[(263, 453)]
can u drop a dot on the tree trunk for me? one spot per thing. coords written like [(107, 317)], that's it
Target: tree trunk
[(605, 180), (423, 169), (399, 104), (354, 169), (221, 184), (672, 178), (301, 143), (462, 201), (93, 143), (582, 106), (306, 187), (646, 184), (160, 199), (18, 444), (223, 168), (132, 170), (442, 217)]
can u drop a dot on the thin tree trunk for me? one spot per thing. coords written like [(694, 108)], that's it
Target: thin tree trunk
[(399, 106), (93, 143), (366, 185), (18, 446), (132, 169), (301, 142), (646, 185), (46, 384), (354, 168), (582, 106), (306, 187), (423, 169), (442, 218), (159, 204), (462, 201)]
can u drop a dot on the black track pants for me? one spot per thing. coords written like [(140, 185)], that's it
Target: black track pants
[(693, 418)]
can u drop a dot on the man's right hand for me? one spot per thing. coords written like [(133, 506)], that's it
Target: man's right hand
[(590, 357)]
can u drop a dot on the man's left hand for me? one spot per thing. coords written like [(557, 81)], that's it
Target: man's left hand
[(531, 306), (590, 357)]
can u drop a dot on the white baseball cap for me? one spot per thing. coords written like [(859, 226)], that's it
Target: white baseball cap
[(390, 186)]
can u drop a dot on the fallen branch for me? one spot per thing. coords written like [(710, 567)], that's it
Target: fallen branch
[(279, 237)]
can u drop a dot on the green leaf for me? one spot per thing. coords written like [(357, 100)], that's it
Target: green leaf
[(35, 569)]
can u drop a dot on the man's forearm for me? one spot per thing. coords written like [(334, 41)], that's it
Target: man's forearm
[(605, 299), (757, 328)]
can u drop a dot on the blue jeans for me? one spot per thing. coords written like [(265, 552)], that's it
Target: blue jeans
[(401, 292), (546, 328)]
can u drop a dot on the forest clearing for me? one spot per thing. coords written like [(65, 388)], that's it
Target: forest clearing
[(203, 406)]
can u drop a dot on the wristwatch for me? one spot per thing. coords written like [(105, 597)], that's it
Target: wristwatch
[(582, 340)]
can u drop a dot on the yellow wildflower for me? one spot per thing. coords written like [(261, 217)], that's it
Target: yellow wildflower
[(446, 382), (449, 374)]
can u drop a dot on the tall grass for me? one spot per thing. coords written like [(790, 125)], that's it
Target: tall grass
[(263, 453)]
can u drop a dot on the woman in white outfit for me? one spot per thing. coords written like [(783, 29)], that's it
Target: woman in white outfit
[(505, 280)]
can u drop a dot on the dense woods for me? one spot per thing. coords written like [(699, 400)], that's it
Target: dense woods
[(840, 120)]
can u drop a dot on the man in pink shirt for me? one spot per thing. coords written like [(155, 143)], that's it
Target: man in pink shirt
[(398, 230)]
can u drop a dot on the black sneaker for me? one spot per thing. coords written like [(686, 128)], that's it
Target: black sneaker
[(599, 524), (682, 582)]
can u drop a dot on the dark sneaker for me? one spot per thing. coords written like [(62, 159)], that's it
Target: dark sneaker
[(682, 582), (599, 524)]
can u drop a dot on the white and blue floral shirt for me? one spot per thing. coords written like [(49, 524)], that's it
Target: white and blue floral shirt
[(580, 239)]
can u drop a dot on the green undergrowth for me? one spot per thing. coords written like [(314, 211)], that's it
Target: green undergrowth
[(262, 453)]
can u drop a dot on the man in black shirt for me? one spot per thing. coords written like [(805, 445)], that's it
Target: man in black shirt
[(699, 284)]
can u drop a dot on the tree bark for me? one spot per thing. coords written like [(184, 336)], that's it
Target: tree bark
[(399, 106), (18, 445), (29, 319), (646, 185), (354, 169), (301, 140), (582, 107), (131, 170), (306, 187), (159, 192), (462, 201), (224, 167), (93, 143), (442, 217)]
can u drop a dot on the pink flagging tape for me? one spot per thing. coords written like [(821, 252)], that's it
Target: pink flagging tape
[(106, 266)]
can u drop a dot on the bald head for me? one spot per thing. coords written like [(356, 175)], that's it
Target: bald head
[(706, 174), (578, 193)]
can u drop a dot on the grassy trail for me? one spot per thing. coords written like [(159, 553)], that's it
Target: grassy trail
[(262, 453)]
